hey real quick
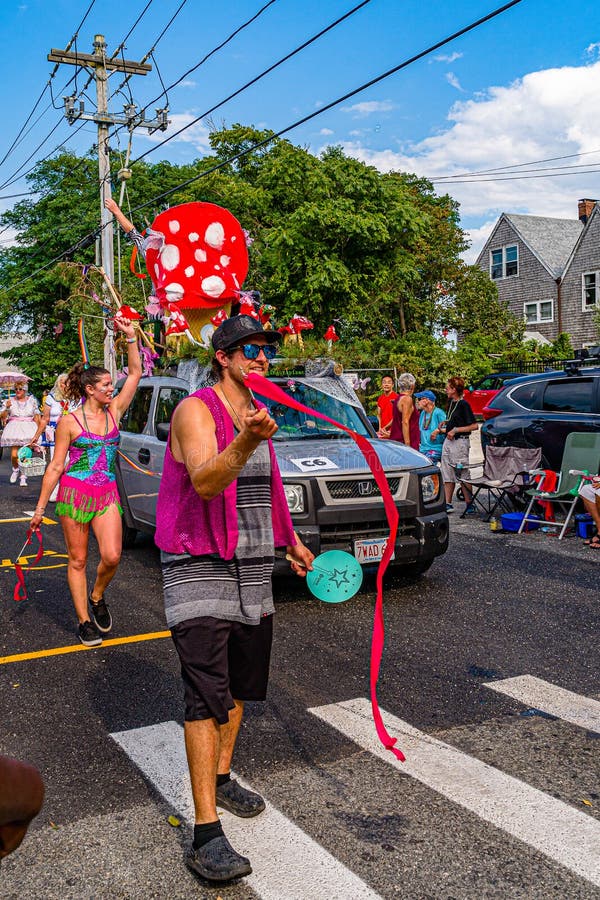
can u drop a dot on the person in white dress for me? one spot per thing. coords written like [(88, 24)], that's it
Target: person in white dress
[(20, 416)]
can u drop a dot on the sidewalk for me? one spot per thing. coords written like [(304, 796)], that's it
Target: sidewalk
[(475, 527)]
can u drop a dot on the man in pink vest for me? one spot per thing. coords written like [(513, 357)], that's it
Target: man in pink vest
[(221, 512)]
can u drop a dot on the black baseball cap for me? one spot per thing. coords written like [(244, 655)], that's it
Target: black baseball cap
[(238, 329)]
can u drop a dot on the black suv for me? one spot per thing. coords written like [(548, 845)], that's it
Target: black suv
[(541, 410)]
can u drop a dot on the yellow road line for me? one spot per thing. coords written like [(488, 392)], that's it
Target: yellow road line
[(45, 520), (75, 648)]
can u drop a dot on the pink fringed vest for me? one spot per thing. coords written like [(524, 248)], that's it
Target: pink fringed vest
[(185, 523)]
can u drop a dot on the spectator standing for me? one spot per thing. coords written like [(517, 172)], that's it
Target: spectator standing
[(384, 406), (21, 417), (457, 428), (405, 416), (221, 512), (430, 420)]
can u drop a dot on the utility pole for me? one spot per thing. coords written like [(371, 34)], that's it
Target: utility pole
[(101, 66)]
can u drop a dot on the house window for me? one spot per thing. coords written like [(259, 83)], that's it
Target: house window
[(538, 311), (504, 262), (589, 290)]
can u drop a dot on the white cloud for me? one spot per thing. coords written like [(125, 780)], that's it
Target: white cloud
[(593, 50), (550, 113), (477, 238), (326, 132), (188, 83), (368, 107), (453, 81), (196, 134), (447, 58)]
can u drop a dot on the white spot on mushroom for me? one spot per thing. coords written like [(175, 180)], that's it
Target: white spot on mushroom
[(189, 271), (174, 226), (157, 270), (217, 268), (235, 281), (174, 291), (225, 260), (200, 255), (215, 235), (213, 286), (193, 237), (232, 238), (169, 257)]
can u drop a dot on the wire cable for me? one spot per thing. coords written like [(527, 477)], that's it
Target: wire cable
[(257, 78), (535, 162), (333, 103), (121, 46), (92, 235)]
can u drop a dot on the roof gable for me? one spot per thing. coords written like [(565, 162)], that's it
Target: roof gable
[(551, 240)]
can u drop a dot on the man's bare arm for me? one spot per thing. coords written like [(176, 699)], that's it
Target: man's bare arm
[(194, 443)]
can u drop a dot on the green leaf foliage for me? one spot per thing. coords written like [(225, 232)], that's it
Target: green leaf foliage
[(378, 255)]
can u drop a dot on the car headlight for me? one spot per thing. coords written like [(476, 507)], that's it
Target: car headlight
[(430, 487), (294, 494)]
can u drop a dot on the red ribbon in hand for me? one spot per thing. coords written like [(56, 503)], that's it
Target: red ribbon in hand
[(20, 592), (267, 389)]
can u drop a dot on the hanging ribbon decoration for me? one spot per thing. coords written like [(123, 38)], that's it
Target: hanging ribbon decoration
[(20, 592), (85, 353), (138, 468), (267, 389)]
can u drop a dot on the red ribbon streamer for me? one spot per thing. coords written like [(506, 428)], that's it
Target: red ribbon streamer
[(20, 592), (267, 389)]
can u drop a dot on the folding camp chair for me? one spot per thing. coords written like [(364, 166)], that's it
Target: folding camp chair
[(504, 477), (581, 453)]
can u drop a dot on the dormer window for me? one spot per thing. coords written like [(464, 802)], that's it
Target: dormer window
[(504, 262)]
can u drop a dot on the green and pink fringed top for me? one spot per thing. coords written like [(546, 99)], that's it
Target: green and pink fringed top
[(88, 486)]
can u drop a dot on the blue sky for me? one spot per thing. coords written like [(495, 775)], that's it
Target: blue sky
[(522, 87)]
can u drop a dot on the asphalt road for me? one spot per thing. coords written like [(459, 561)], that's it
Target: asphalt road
[(495, 607)]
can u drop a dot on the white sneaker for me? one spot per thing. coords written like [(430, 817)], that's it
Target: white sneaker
[(23, 481), (14, 475)]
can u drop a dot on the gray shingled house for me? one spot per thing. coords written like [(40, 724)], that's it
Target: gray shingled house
[(549, 271)]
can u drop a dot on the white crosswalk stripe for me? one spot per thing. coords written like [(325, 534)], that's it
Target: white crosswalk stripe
[(568, 836), (289, 864), (550, 698)]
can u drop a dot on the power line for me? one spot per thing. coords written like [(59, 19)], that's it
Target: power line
[(322, 109), (121, 46), (47, 86), (499, 169), (92, 235), (154, 46), (215, 50), (553, 174), (271, 68)]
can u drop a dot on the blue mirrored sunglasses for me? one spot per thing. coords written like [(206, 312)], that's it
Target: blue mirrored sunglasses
[(252, 351)]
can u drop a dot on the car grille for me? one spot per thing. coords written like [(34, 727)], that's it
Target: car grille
[(359, 489), (356, 531)]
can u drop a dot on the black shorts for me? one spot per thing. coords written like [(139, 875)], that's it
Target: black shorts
[(222, 661)]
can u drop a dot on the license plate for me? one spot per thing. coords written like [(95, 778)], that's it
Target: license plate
[(370, 550)]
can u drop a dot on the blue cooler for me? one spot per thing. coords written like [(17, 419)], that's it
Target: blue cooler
[(512, 522), (584, 525)]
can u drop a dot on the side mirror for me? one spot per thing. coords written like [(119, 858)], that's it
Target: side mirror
[(162, 431)]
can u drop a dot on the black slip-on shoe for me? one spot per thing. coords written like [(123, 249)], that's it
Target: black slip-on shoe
[(88, 634), (217, 861), (239, 801), (101, 615)]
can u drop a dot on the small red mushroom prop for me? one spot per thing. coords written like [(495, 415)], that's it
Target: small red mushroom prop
[(219, 318), (331, 336)]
